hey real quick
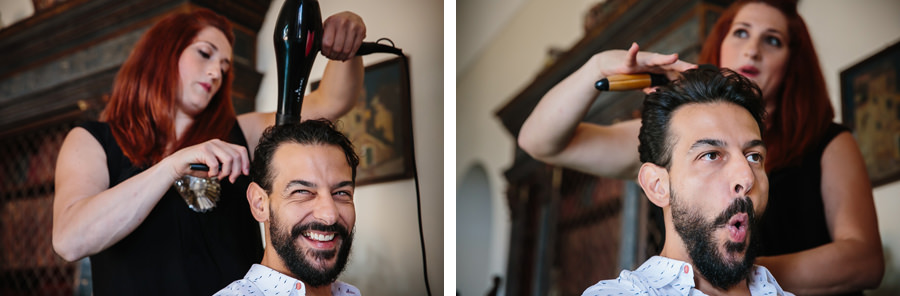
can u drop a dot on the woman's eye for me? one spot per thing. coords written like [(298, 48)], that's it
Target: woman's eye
[(773, 41), (740, 33), (203, 54)]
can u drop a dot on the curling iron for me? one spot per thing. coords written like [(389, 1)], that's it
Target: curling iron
[(621, 82)]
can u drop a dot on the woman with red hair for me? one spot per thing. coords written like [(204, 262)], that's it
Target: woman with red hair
[(171, 107), (819, 233)]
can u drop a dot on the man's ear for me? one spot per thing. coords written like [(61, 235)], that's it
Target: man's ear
[(259, 202), (654, 180)]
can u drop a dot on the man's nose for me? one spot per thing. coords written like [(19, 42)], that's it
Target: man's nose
[(325, 210), (741, 177)]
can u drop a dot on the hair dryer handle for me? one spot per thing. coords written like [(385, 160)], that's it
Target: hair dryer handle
[(371, 47)]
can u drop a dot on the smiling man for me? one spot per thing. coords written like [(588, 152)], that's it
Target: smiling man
[(703, 163), (303, 181)]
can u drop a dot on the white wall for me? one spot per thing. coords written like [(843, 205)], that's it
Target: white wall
[(845, 33), (386, 257), (12, 11)]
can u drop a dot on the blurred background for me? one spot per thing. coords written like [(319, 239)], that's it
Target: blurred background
[(545, 230), (57, 62)]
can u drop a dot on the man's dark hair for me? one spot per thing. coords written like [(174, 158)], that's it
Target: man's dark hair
[(309, 132), (704, 86)]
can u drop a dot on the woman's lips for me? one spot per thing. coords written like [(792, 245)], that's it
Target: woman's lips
[(749, 71), (206, 86)]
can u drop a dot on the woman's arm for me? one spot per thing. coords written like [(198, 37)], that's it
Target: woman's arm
[(89, 217), (854, 260), (342, 81), (554, 133), (341, 86)]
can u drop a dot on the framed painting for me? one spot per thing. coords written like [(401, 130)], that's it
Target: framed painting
[(870, 104), (380, 124)]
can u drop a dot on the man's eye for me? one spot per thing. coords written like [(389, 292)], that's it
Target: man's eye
[(754, 157), (343, 195), (710, 156)]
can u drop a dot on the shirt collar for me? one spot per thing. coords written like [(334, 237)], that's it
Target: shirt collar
[(661, 271), (272, 282)]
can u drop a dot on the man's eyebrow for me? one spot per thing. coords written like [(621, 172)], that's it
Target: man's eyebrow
[(305, 183), (343, 184), (294, 183), (707, 142), (755, 143)]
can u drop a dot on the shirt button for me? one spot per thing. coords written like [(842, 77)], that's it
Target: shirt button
[(299, 286), (686, 269)]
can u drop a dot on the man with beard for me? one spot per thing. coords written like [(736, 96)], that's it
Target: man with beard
[(703, 164), (303, 181)]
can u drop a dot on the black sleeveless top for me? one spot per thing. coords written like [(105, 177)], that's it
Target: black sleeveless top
[(176, 251), (795, 215)]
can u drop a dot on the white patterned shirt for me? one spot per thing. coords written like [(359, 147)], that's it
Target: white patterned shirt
[(666, 276), (264, 281)]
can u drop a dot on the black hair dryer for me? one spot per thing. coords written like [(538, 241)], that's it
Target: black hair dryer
[(298, 38)]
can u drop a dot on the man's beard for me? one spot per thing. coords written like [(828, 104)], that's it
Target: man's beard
[(697, 234), (295, 257)]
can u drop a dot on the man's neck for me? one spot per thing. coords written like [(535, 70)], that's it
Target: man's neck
[(742, 288), (318, 291)]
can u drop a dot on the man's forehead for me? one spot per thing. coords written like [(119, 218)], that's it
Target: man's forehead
[(712, 124), (296, 158)]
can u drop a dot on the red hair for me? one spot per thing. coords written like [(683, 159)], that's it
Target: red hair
[(142, 106), (802, 110)]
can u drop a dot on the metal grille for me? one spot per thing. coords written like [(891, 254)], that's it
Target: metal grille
[(28, 264)]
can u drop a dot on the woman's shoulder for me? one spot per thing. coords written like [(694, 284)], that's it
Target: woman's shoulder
[(831, 133), (253, 124), (256, 121)]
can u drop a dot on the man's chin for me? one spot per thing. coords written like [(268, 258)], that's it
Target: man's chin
[(321, 264)]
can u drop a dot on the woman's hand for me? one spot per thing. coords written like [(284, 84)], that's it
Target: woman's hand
[(223, 159), (554, 132), (631, 61), (342, 34)]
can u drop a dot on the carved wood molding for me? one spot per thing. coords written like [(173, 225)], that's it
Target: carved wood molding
[(75, 45)]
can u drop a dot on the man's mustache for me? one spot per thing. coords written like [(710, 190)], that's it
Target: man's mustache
[(338, 229)]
